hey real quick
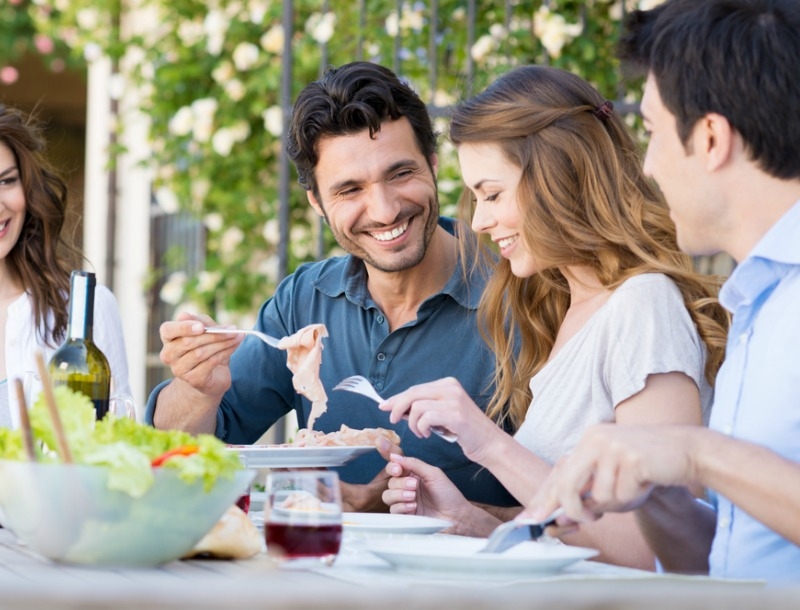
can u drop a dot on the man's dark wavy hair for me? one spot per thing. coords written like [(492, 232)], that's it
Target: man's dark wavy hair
[(736, 58), (347, 100)]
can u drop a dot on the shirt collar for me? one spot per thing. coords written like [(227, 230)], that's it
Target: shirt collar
[(774, 256), (781, 243), (352, 281)]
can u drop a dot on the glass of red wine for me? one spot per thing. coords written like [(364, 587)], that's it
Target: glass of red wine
[(303, 517)]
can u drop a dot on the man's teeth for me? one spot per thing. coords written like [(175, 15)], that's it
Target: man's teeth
[(506, 241), (393, 234), (4, 224)]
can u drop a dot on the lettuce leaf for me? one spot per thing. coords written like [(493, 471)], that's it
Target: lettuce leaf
[(123, 445)]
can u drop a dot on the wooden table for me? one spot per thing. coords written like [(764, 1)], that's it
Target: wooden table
[(28, 581)]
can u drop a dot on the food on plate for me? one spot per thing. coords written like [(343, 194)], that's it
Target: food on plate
[(131, 451), (343, 437), (233, 537), (303, 358)]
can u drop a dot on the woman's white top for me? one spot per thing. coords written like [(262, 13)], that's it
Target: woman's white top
[(642, 329), (22, 343)]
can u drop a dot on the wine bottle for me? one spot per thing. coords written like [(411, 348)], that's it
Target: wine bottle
[(78, 363)]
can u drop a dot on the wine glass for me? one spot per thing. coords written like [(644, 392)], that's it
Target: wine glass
[(122, 405), (303, 517)]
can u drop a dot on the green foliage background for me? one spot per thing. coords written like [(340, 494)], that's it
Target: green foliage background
[(225, 171)]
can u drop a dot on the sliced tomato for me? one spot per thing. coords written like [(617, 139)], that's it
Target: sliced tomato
[(182, 450)]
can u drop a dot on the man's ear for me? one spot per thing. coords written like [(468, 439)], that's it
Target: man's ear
[(435, 165), (315, 204), (717, 140)]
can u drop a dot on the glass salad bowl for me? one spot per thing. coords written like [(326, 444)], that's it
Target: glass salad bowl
[(67, 513)]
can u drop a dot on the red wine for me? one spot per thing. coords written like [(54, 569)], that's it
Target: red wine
[(244, 502), (304, 540)]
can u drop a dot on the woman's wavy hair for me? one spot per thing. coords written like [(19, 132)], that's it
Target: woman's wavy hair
[(41, 260), (584, 201)]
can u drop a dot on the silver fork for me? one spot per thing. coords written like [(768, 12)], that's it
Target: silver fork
[(219, 330), (361, 385)]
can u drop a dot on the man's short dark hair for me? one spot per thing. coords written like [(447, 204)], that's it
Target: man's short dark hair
[(737, 58), (347, 100)]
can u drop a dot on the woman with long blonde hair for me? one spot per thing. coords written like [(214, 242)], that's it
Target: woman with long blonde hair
[(594, 313)]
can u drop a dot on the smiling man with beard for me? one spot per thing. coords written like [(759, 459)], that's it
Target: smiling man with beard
[(399, 307)]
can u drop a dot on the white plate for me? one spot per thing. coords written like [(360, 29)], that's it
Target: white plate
[(386, 523), (273, 456), (445, 553)]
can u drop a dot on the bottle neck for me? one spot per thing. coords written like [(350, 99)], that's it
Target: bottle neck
[(81, 306)]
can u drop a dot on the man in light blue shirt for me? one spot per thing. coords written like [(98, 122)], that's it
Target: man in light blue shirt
[(721, 103)]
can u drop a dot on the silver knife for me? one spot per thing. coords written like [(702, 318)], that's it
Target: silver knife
[(511, 533)]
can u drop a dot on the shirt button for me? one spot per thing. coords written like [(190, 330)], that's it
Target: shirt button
[(723, 523), (379, 319), (743, 338), (727, 429), (381, 357)]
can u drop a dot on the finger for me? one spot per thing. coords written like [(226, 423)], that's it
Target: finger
[(403, 508), (399, 496), (174, 329), (386, 448)]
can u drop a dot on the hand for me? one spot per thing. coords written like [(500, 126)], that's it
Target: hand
[(418, 488), (368, 497), (421, 489), (613, 469), (197, 358), (444, 403)]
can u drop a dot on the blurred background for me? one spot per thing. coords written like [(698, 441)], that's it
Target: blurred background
[(167, 118)]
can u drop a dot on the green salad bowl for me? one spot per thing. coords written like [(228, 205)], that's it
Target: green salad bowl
[(67, 513)]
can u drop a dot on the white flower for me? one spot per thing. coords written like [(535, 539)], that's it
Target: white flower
[(412, 20), (203, 111), (553, 30), (258, 10), (116, 86), (273, 120), (321, 27), (167, 200), (497, 31), (199, 190), (223, 72), (88, 19), (392, 24), (216, 26), (190, 32), (245, 56), (448, 186), (272, 40), (272, 231), (207, 281), (443, 98), (482, 47), (269, 268), (214, 222), (231, 239), (181, 122), (646, 5), (223, 140), (235, 89), (92, 52), (172, 290), (459, 14)]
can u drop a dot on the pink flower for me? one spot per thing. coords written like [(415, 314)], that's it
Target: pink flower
[(44, 44), (9, 75)]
